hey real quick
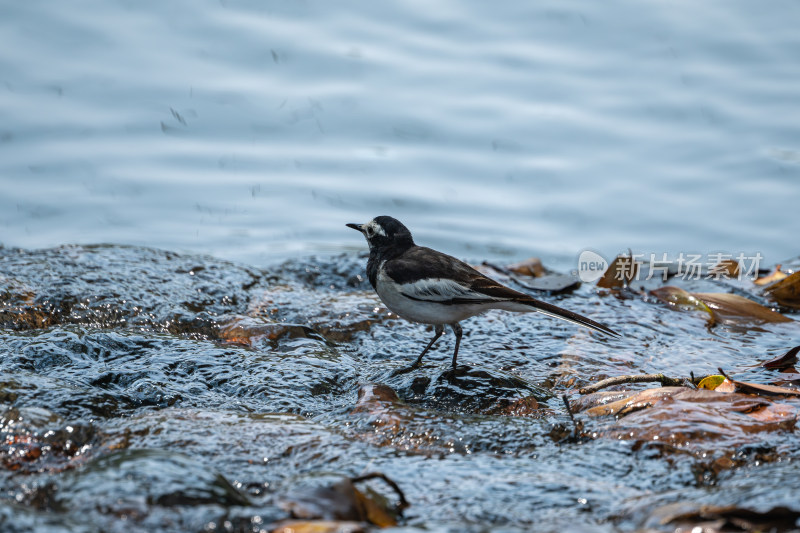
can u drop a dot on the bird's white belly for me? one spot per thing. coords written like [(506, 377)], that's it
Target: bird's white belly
[(425, 312)]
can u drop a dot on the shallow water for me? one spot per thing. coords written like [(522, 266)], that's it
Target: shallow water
[(147, 390), (254, 130)]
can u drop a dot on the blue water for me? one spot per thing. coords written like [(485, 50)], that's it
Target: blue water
[(254, 130)]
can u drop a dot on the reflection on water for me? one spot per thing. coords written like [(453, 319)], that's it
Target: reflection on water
[(254, 130)]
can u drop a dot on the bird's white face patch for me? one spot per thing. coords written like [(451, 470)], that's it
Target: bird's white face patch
[(372, 228)]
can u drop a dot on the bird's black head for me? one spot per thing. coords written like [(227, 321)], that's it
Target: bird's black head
[(384, 233)]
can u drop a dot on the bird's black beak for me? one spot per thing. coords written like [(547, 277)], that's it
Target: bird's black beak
[(355, 227)]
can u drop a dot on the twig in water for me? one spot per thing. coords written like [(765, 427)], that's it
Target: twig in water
[(638, 378), (575, 427)]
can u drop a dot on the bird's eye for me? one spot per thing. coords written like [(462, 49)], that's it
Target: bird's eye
[(370, 231)]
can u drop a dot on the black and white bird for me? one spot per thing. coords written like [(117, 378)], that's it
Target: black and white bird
[(426, 286)]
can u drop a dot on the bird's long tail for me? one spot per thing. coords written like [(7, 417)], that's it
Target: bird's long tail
[(532, 304)]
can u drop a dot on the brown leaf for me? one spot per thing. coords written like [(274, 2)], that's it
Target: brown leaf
[(786, 291), (721, 306), (786, 360), (712, 518), (376, 513), (319, 526), (599, 399), (776, 275), (622, 270), (697, 419), (528, 267), (343, 501), (249, 331), (763, 390), (726, 268), (675, 296), (639, 400), (726, 386), (734, 307)]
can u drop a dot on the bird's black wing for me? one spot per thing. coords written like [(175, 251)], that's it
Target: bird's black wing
[(427, 275)]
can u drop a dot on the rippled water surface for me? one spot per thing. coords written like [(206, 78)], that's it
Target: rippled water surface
[(150, 390), (254, 130), (187, 341)]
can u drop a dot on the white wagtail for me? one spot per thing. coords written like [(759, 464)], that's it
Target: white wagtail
[(423, 285)]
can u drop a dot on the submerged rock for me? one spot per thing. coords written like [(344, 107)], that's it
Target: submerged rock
[(119, 287)]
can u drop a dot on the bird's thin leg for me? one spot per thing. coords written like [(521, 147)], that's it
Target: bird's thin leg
[(458, 331), (439, 329)]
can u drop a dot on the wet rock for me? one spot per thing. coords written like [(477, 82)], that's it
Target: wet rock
[(130, 481), (552, 283), (754, 501), (19, 519), (105, 374), (527, 406), (119, 287), (343, 272), (35, 440), (336, 315), (471, 390), (257, 451), (383, 419)]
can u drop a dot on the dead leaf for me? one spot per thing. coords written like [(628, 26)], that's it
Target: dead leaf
[(786, 360), (726, 386), (776, 275), (598, 399), (622, 270), (712, 518), (786, 291), (699, 418), (721, 306), (675, 296), (319, 526), (249, 331), (734, 307), (763, 390), (528, 267), (639, 400), (376, 509), (384, 407), (727, 268), (343, 501)]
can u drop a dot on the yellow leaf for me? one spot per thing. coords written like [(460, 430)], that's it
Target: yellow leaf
[(710, 382)]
